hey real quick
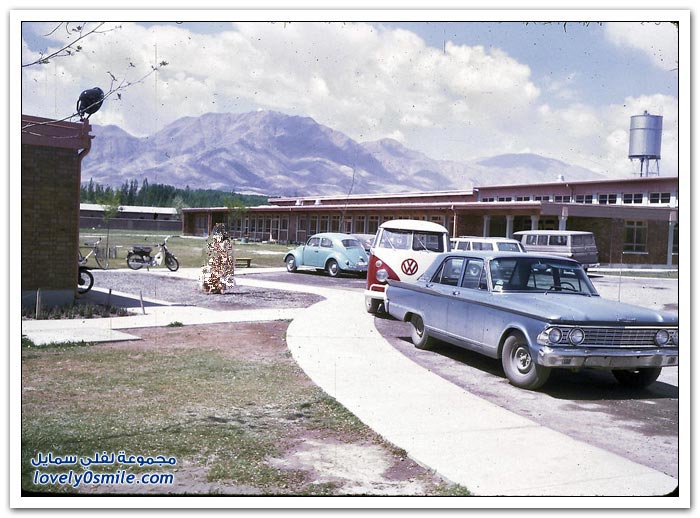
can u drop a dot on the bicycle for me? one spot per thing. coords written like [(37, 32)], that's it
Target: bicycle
[(100, 259), (85, 280)]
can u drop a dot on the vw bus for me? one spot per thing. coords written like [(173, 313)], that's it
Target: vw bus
[(402, 250), (577, 245)]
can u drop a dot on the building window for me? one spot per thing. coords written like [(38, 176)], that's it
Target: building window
[(584, 198), (488, 199), (313, 225), (635, 236), (324, 224), (505, 198), (607, 199), (562, 199), (373, 225), (542, 198), (522, 198), (660, 197), (335, 224), (636, 197)]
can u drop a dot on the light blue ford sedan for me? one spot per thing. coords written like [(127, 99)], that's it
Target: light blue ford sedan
[(534, 312), (333, 252)]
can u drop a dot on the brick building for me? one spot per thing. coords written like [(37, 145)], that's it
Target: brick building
[(52, 152), (131, 217), (635, 220)]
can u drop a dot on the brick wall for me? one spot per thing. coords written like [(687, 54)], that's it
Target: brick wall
[(50, 214)]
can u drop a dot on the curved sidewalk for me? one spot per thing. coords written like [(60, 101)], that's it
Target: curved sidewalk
[(468, 440)]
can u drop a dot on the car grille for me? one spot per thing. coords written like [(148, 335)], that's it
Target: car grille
[(618, 337)]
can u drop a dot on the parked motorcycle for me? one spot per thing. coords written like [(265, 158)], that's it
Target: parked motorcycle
[(140, 256), (85, 279)]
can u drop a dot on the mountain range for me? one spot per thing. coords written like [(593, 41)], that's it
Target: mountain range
[(270, 153)]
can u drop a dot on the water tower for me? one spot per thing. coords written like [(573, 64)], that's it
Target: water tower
[(645, 141)]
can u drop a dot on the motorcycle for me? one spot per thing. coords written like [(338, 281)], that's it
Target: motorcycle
[(140, 256), (85, 279)]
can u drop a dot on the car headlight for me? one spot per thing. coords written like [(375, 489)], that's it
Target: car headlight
[(554, 335), (576, 336), (662, 337), (674, 338), (382, 275), (378, 264)]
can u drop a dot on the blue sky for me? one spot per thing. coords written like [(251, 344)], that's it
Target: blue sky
[(452, 90)]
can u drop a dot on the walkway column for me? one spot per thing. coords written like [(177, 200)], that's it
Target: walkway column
[(487, 225), (509, 225), (534, 222), (563, 218), (671, 228)]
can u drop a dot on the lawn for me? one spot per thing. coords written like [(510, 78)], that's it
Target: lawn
[(190, 250), (226, 401)]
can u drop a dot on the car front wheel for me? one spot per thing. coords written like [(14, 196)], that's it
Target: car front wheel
[(291, 264), (637, 378), (519, 366)]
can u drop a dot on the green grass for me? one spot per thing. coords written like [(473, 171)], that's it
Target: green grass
[(226, 408), (190, 251)]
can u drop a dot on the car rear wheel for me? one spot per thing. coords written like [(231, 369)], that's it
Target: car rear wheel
[(637, 378), (519, 366), (419, 336), (332, 268)]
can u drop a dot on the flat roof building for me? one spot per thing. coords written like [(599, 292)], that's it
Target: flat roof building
[(635, 220)]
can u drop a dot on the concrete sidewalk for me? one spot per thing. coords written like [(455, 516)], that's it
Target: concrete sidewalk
[(466, 439)]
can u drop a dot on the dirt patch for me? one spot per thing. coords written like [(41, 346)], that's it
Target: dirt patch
[(227, 400), (189, 293)]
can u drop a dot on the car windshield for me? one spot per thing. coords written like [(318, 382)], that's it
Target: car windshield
[(352, 243), (540, 275), (508, 247), (412, 240)]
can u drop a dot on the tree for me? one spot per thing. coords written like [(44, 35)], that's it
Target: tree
[(78, 34)]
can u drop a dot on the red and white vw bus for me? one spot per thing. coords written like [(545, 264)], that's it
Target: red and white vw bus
[(402, 250)]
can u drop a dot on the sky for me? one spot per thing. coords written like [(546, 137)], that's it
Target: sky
[(451, 89)]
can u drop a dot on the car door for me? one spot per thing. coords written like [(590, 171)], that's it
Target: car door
[(311, 251), (325, 250), (466, 315), (444, 283)]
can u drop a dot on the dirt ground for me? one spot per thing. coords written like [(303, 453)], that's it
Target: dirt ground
[(345, 464)]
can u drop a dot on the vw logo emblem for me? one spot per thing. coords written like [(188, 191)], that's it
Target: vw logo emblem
[(409, 266)]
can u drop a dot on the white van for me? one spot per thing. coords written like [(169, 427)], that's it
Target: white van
[(574, 244), (402, 250), (501, 244)]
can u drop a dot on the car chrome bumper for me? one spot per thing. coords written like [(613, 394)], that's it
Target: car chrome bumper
[(607, 358)]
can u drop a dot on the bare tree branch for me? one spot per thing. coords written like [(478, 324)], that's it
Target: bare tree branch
[(70, 48)]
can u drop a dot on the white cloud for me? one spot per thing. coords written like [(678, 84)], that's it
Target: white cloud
[(366, 81), (369, 82), (659, 41)]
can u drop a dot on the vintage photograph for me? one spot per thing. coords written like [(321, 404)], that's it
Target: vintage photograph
[(342, 259)]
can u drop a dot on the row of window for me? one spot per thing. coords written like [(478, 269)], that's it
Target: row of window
[(603, 198)]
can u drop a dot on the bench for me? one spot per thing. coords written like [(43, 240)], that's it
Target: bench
[(243, 261)]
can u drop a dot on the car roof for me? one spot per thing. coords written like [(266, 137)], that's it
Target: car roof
[(333, 235), (413, 224), (489, 239), (552, 232), (495, 254)]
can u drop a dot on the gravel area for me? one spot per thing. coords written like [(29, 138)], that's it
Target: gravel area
[(187, 292)]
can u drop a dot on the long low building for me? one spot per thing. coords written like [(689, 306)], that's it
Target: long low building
[(635, 220)]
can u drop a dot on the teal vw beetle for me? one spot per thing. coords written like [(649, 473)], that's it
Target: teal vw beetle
[(333, 252)]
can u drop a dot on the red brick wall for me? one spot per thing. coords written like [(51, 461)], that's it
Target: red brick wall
[(50, 215)]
